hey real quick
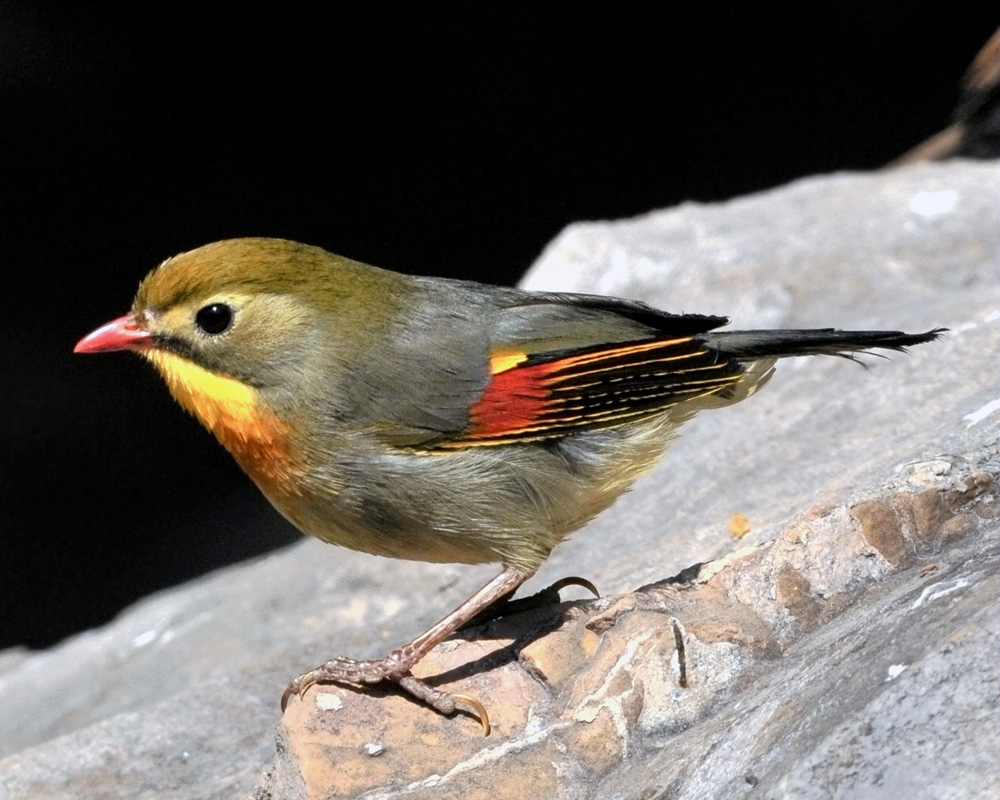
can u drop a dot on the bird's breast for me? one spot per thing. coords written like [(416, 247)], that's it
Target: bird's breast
[(257, 438)]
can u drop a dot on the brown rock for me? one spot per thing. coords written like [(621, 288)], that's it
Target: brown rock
[(343, 741), (599, 744), (923, 514), (881, 529), (553, 659), (794, 592)]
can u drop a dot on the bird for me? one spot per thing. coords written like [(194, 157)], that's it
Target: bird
[(434, 419)]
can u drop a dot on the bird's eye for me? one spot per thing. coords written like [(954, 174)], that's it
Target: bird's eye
[(214, 318)]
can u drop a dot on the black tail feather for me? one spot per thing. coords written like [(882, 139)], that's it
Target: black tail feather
[(822, 341)]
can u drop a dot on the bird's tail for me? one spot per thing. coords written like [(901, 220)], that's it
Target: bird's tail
[(823, 341), (756, 352)]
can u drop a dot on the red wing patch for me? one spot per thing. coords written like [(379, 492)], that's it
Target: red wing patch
[(554, 394)]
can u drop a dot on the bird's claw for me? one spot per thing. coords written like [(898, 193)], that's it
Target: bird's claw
[(477, 709), (442, 702), (573, 580), (299, 686)]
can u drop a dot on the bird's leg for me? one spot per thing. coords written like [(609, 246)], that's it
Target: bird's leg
[(507, 606), (396, 666)]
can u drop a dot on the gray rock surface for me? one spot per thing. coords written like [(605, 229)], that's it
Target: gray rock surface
[(883, 680)]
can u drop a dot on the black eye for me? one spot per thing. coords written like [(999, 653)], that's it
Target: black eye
[(214, 318)]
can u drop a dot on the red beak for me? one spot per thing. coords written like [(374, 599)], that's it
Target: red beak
[(123, 333)]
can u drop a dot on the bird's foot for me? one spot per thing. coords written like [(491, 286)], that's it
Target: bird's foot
[(396, 666), (394, 669)]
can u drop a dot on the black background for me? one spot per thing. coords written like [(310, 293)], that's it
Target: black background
[(456, 141)]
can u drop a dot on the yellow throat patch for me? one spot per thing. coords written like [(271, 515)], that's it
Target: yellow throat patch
[(231, 410)]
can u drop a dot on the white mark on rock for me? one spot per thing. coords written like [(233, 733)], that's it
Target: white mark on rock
[(487, 755), (329, 701), (938, 590), (592, 704), (895, 670), (930, 204), (982, 413), (144, 638)]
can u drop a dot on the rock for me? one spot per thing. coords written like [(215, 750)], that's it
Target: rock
[(845, 644), (612, 682)]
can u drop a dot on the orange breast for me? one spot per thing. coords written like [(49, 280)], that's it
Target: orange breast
[(257, 438)]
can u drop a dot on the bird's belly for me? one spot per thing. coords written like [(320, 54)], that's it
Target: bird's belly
[(509, 504)]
